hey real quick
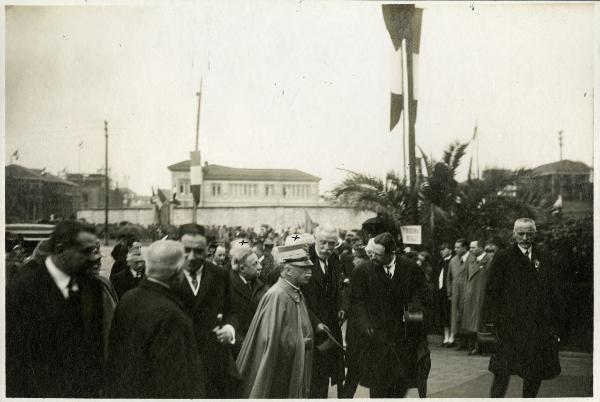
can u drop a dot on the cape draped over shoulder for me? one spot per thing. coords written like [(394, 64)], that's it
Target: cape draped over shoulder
[(276, 357)]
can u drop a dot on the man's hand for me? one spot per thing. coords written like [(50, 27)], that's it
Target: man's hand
[(322, 328), (225, 334), (341, 315)]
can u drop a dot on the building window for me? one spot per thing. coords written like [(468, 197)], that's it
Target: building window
[(285, 190), (216, 189), (269, 190)]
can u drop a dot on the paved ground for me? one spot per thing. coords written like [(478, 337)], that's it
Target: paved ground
[(454, 374)]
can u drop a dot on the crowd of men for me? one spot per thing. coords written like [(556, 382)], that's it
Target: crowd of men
[(182, 319)]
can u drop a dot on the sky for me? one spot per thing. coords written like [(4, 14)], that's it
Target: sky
[(302, 85)]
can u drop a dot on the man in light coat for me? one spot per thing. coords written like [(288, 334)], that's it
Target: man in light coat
[(455, 287), (476, 272)]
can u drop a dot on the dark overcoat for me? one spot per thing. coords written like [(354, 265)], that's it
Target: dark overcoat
[(213, 298), (152, 350), (244, 301), (377, 302), (476, 276), (442, 296), (324, 299), (51, 350), (124, 281), (269, 274), (523, 301)]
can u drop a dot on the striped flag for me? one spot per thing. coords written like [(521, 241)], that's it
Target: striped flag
[(403, 21)]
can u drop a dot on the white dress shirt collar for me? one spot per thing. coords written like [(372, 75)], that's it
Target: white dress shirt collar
[(188, 276), (465, 256), (322, 262), (60, 278), (525, 250), (391, 267), (480, 257), (243, 279)]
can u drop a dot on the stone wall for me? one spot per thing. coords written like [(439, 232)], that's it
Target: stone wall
[(278, 217), (142, 216)]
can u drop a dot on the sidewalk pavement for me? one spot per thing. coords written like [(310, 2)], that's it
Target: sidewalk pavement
[(454, 374)]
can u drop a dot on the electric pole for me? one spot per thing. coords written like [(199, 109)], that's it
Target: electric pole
[(106, 183)]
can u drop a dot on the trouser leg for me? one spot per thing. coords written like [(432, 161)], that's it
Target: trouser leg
[(341, 387), (531, 388), (397, 390), (319, 386), (350, 383), (499, 385)]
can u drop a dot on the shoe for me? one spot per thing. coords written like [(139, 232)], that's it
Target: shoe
[(451, 345), (473, 352), (444, 345)]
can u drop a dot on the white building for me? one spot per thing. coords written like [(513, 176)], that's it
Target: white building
[(230, 187)]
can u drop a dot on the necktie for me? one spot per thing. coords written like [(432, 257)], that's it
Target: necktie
[(527, 254), (74, 299), (73, 289), (388, 270), (194, 279), (324, 262)]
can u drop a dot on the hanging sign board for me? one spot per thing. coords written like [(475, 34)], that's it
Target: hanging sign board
[(411, 234)]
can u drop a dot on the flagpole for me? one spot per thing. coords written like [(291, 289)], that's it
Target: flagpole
[(409, 127), (196, 163), (405, 117), (477, 142)]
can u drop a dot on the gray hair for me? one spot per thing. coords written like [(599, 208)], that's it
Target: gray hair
[(164, 258), (524, 221), (325, 230), (238, 255)]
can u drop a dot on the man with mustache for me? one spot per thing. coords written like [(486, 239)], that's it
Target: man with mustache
[(524, 305)]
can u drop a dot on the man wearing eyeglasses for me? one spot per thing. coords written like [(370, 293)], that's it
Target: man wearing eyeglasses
[(523, 304), (207, 290), (54, 321)]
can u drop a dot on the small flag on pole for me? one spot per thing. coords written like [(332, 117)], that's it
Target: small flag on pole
[(309, 225), (16, 155)]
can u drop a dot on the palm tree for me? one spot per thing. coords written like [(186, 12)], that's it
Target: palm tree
[(370, 193), (439, 190)]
